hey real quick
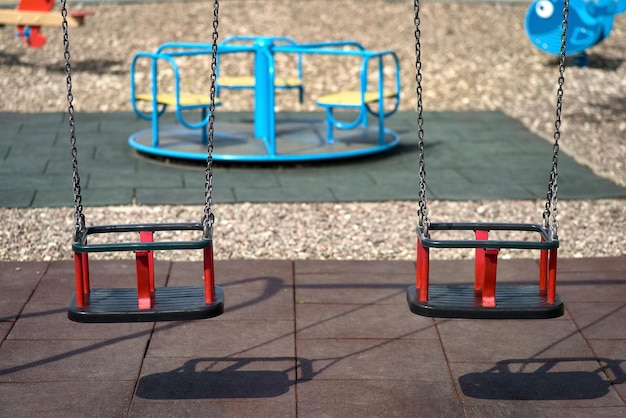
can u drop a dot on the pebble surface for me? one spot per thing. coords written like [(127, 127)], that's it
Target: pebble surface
[(467, 65)]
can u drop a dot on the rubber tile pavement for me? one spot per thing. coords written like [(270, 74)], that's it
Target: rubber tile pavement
[(313, 338)]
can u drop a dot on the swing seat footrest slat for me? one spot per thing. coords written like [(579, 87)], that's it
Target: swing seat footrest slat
[(178, 303), (461, 301)]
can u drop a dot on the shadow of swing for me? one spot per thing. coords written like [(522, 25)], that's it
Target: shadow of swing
[(224, 378), (501, 383)]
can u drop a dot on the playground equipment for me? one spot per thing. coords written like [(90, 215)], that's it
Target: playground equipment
[(146, 302), (589, 23), (272, 138), (239, 82), (176, 98), (31, 15), (483, 299)]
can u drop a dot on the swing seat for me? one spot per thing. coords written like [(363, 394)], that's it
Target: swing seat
[(483, 300), (462, 301), (145, 303), (181, 303)]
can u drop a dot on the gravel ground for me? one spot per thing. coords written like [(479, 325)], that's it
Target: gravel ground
[(467, 66)]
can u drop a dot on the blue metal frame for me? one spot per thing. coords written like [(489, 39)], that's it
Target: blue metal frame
[(364, 108), (264, 49), (158, 109), (257, 42)]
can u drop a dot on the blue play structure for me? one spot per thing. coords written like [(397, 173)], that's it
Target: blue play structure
[(589, 22), (238, 82), (345, 130)]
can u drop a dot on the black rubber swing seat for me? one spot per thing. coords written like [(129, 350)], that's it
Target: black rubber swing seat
[(180, 303), (483, 299), (145, 303), (461, 301)]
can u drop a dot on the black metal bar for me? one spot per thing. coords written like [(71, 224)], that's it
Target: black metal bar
[(545, 244), (84, 247)]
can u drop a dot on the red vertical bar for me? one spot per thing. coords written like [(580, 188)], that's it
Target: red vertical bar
[(148, 236), (489, 284), (543, 269), (423, 271), (479, 264), (85, 264), (145, 274), (552, 277), (78, 274), (209, 276)]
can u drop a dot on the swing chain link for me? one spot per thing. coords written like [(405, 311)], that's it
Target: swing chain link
[(551, 212), (422, 212), (79, 217), (208, 217)]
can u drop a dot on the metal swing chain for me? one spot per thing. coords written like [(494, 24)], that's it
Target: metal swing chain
[(79, 217), (551, 212), (208, 218), (422, 212)]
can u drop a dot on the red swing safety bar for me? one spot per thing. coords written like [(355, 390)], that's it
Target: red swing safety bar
[(482, 300), (146, 302)]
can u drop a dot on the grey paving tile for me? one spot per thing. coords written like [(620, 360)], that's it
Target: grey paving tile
[(320, 193), (16, 165), (385, 398), (27, 152), (250, 178), (522, 409), (22, 198), (470, 141), (353, 287), (5, 327), (376, 193), (70, 360), (227, 408), (50, 399), (487, 190), (310, 177), (489, 341), (103, 196), (593, 264), (63, 197), (350, 359), (224, 338), (41, 321), (591, 287), (161, 178), (373, 359), (588, 187), (355, 267), (535, 383), (18, 282), (218, 378), (16, 182), (612, 359), (314, 320), (169, 196), (599, 320)]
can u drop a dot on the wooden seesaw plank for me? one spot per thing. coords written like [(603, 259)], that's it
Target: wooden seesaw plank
[(22, 18)]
